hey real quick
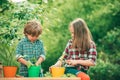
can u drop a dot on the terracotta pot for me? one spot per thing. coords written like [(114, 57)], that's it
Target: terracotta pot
[(9, 71)]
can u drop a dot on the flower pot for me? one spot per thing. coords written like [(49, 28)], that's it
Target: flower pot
[(57, 71), (9, 71), (34, 71)]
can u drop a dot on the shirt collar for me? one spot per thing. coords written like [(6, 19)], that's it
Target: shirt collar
[(26, 39)]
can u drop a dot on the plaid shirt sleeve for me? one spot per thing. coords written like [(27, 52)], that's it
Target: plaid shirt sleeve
[(42, 51), (92, 53), (19, 51)]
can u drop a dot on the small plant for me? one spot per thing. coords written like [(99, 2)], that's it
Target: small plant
[(33, 60), (7, 55)]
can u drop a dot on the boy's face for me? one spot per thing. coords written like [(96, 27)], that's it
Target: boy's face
[(32, 38)]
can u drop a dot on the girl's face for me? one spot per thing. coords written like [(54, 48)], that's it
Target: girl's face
[(72, 31), (32, 38)]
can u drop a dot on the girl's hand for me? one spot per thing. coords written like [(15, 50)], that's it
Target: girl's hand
[(51, 68), (71, 62), (57, 64)]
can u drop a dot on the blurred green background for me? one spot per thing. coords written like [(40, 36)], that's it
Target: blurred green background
[(102, 17)]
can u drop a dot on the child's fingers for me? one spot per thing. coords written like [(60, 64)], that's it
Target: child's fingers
[(50, 68), (69, 62)]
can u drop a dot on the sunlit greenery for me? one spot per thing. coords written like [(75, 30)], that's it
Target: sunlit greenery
[(102, 17)]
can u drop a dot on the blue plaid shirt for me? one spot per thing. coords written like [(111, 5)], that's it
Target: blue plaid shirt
[(29, 50)]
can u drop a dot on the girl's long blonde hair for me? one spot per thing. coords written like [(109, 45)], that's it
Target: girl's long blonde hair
[(82, 34)]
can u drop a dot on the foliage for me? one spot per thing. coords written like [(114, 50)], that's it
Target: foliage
[(104, 70), (111, 40), (7, 55), (4, 5), (14, 18)]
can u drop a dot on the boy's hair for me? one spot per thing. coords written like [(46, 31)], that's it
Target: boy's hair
[(33, 28)]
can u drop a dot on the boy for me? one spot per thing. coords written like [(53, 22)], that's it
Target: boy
[(30, 47)]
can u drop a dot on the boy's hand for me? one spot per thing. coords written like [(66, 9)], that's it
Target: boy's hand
[(29, 64), (36, 64)]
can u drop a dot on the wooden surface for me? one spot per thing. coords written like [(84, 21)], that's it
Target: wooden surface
[(40, 78)]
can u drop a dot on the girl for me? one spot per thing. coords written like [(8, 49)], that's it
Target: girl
[(80, 52)]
